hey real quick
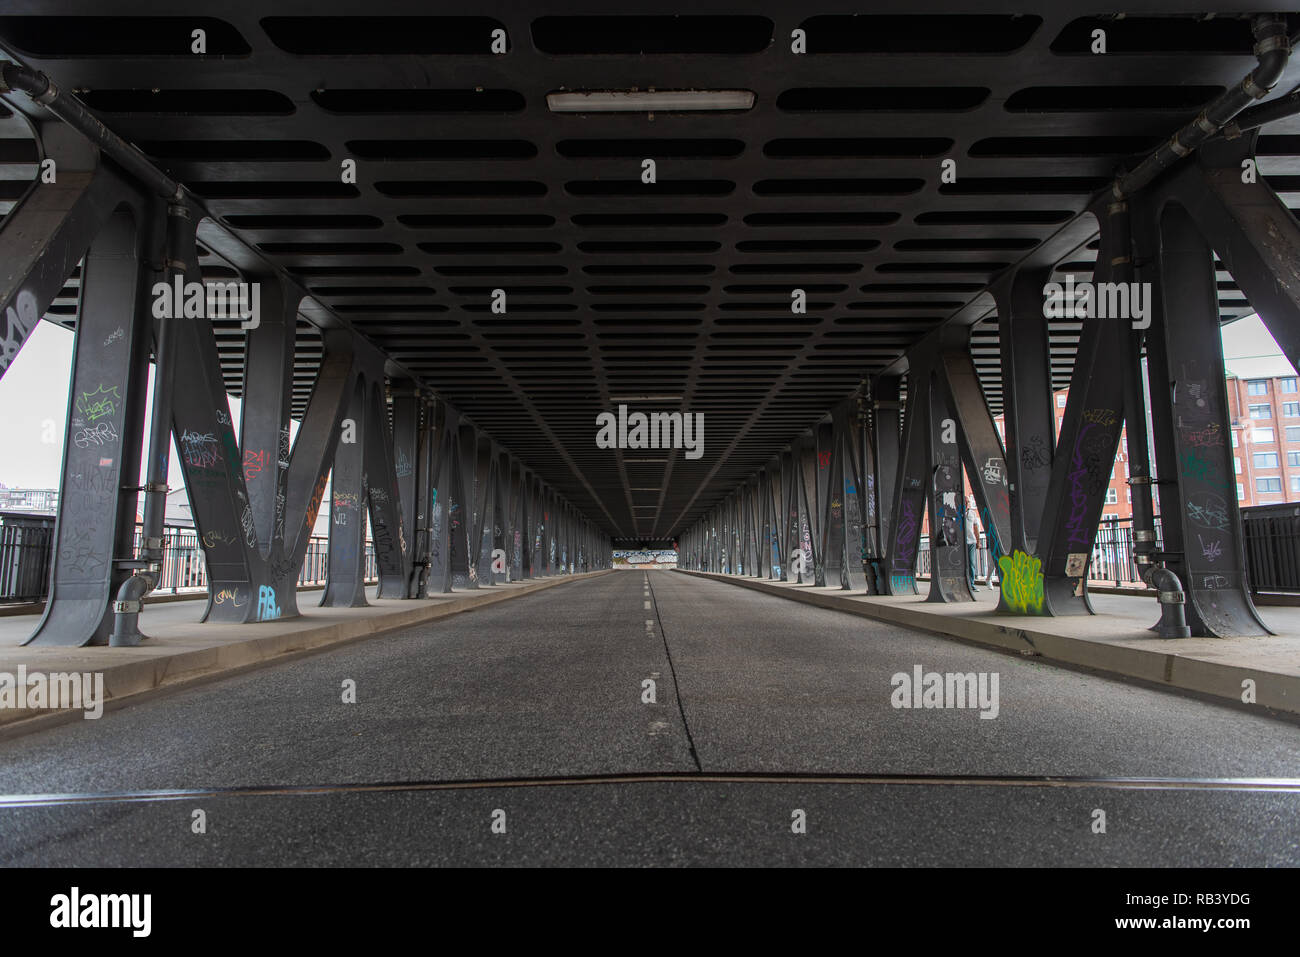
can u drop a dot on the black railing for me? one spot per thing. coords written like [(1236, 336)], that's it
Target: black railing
[(26, 541), (1112, 554), (1272, 534)]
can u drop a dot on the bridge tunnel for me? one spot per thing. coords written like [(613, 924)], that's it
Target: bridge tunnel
[(428, 304)]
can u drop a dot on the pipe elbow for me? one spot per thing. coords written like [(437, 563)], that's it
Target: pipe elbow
[(135, 587), (32, 82), (1167, 585), (1272, 49)]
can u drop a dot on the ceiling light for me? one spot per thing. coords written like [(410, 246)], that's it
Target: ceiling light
[(648, 101), (645, 398)]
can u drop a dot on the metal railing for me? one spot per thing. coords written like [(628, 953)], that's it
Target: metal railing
[(1272, 545), (26, 541), (1112, 554)]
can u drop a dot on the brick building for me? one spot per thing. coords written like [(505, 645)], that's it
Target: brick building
[(1264, 408)]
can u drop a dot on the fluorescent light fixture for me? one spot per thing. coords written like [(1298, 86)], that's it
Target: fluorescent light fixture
[(645, 398), (648, 101)]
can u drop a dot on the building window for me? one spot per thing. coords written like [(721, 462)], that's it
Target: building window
[(1129, 493), (1257, 387), (1112, 497), (1260, 412), (1291, 410), (1293, 459), (1241, 492), (1293, 433), (1234, 438), (1265, 460), (1288, 385), (1060, 401), (1268, 485), (1295, 483), (1263, 435), (1236, 463)]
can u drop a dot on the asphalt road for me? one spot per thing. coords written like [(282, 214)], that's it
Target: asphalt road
[(552, 686)]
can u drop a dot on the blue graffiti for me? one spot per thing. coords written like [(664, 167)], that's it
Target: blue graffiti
[(267, 609)]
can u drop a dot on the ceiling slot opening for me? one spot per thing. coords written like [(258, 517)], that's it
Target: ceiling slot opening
[(639, 35), (380, 102), (190, 102), (119, 37), (377, 35), (919, 33), (441, 149), (882, 99)]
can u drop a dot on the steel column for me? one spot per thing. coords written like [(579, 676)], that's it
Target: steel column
[(1027, 413), (1084, 459), (1203, 539), (93, 535)]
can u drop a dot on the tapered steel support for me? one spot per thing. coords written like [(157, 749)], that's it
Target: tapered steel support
[(850, 447), (465, 524), (421, 505), (978, 444), (1054, 581), (910, 486), (264, 434), (345, 583), (386, 524), (886, 429), (1026, 403), (1203, 538), (408, 415), (949, 574), (518, 537), (443, 497), (805, 458), (830, 505), (93, 536), (502, 530)]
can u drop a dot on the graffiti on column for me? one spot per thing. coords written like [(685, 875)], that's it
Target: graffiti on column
[(267, 607), (18, 323), (255, 460), (1022, 582), (200, 449)]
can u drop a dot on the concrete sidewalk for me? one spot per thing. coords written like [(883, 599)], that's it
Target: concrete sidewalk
[(1115, 640), (182, 649)]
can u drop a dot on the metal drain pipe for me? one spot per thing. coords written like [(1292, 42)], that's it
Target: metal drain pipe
[(1272, 50), (130, 597), (68, 108)]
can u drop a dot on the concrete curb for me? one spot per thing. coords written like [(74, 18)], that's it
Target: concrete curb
[(132, 673), (1159, 666)]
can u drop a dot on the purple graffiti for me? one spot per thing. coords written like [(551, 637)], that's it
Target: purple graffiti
[(1076, 526), (905, 560)]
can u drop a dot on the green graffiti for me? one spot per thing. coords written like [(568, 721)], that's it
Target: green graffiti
[(1022, 583)]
